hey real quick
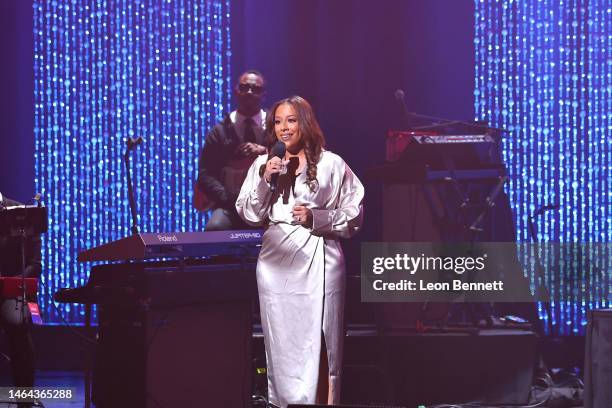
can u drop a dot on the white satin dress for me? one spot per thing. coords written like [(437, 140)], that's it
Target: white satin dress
[(301, 273)]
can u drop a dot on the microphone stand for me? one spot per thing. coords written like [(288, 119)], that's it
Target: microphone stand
[(23, 239), (539, 266), (131, 144)]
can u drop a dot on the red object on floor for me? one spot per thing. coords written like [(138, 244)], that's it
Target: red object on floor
[(12, 287)]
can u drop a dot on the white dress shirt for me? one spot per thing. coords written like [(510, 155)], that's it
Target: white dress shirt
[(259, 119)]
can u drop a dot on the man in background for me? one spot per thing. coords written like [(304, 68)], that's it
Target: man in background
[(229, 149)]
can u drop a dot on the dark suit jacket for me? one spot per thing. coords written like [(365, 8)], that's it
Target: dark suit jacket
[(219, 153), (219, 147), (10, 252)]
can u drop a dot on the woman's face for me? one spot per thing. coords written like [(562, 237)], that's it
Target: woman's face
[(286, 127)]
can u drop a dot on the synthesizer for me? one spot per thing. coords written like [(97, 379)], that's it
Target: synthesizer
[(176, 245)]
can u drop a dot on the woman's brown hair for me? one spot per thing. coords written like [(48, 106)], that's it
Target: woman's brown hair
[(310, 131)]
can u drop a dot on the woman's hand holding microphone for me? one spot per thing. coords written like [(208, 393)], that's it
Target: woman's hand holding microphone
[(301, 214), (274, 166)]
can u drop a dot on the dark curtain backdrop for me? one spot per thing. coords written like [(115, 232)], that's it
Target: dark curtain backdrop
[(347, 57), (16, 100)]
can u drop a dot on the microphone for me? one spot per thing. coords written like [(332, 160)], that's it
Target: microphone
[(278, 150), (132, 142), (399, 97)]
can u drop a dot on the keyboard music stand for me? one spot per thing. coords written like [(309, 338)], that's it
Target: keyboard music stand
[(23, 222)]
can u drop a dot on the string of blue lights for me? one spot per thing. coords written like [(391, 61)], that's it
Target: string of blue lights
[(543, 73), (104, 71)]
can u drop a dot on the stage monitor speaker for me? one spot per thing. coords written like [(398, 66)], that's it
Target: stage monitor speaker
[(494, 367), (188, 357), (598, 360)]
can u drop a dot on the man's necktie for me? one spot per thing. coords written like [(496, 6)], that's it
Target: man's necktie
[(249, 131)]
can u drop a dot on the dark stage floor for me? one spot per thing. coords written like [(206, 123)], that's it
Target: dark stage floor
[(74, 380), (58, 379), (400, 367)]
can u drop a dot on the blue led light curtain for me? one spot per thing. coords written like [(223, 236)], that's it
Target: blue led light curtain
[(543, 73), (105, 71)]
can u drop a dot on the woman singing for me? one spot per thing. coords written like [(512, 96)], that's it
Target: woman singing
[(300, 270)]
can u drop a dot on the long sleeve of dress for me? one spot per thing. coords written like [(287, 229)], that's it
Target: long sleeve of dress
[(254, 198), (346, 218)]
